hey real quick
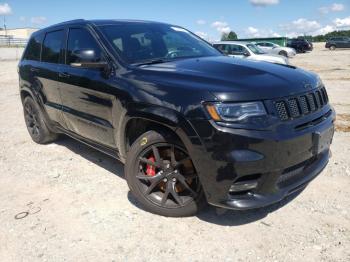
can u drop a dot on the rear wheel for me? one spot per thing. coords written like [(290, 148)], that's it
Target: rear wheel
[(283, 53), (162, 177), (35, 123)]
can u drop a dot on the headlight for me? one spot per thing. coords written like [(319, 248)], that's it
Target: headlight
[(319, 83), (235, 112)]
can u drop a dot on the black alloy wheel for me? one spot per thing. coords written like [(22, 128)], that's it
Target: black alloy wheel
[(36, 126), (163, 177), (31, 116)]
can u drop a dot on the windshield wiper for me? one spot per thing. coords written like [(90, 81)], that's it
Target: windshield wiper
[(151, 62)]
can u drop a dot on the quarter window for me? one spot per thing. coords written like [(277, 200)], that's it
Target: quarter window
[(33, 49), (52, 47)]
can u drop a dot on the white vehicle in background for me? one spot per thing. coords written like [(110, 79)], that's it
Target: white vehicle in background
[(248, 51), (275, 49)]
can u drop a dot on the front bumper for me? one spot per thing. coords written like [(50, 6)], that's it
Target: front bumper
[(246, 169)]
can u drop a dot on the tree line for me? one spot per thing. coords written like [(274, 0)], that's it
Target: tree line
[(324, 38)]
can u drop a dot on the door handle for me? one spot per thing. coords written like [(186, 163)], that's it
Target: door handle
[(33, 69), (64, 75)]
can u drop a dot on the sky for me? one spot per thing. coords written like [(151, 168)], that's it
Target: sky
[(207, 18)]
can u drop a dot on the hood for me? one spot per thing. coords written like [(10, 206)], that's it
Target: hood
[(232, 79), (271, 58)]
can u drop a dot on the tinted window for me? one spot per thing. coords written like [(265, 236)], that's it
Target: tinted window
[(33, 48), (138, 42), (80, 39), (223, 48), (236, 50), (256, 50), (52, 47)]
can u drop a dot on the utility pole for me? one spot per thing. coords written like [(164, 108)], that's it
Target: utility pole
[(5, 25)]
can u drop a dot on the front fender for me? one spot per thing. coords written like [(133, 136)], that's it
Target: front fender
[(161, 116)]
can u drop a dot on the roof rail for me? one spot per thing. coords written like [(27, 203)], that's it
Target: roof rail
[(69, 22)]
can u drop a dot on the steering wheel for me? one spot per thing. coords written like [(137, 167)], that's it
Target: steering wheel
[(172, 54)]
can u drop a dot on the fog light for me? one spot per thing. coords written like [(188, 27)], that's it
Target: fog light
[(243, 186)]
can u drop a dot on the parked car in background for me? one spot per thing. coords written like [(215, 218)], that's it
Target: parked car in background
[(249, 51), (301, 45), (272, 48), (338, 42)]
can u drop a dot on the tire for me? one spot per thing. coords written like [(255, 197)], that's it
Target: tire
[(332, 47), (171, 179), (34, 120), (283, 53)]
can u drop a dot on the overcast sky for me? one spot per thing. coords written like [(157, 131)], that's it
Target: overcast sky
[(207, 18)]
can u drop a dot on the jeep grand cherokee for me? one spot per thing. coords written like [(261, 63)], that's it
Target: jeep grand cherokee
[(191, 125)]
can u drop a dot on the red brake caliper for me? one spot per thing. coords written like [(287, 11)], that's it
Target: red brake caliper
[(151, 170)]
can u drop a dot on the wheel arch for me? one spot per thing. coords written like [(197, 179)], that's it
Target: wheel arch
[(24, 92), (135, 124)]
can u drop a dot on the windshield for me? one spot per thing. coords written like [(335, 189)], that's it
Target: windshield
[(138, 43), (255, 49)]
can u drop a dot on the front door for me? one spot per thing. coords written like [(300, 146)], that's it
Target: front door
[(87, 98)]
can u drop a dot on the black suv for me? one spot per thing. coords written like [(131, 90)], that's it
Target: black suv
[(191, 125), (301, 45), (338, 42)]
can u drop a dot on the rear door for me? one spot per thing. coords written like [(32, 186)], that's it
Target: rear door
[(346, 42), (237, 51), (340, 42), (47, 74), (263, 46), (86, 92)]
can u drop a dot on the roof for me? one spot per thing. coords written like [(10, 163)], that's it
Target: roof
[(99, 22), (121, 21), (232, 42)]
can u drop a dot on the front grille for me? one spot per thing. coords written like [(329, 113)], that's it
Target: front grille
[(294, 107)]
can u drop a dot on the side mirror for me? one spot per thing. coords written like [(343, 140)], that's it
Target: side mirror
[(87, 58), (246, 53)]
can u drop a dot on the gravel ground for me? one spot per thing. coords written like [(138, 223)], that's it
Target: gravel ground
[(67, 202)]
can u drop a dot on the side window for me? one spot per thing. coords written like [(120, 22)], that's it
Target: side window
[(33, 48), (79, 41), (222, 48), (118, 42), (52, 47), (237, 50), (269, 44)]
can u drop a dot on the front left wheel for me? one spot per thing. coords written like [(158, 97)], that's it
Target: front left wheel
[(162, 177)]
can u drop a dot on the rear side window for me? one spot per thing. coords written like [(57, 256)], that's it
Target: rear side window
[(52, 47), (33, 48), (80, 39), (237, 50)]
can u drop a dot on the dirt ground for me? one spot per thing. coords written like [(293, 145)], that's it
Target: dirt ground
[(67, 202)]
